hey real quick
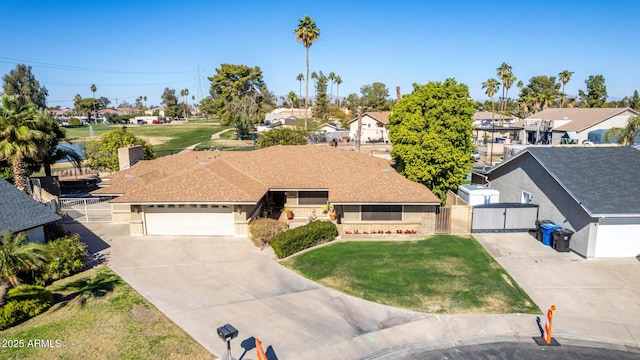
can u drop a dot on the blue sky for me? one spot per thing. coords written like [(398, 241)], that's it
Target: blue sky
[(137, 48)]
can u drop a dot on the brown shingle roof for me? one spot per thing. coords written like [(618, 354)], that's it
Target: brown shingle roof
[(382, 116), (241, 176), (581, 118)]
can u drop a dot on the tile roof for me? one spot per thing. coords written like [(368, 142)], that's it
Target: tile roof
[(603, 180), (19, 212), (581, 118), (382, 116), (486, 115), (239, 176)]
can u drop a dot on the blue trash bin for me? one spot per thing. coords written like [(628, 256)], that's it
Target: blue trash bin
[(547, 232)]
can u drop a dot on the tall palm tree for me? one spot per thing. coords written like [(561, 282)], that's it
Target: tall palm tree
[(332, 79), (300, 77), (338, 81), (145, 101), (564, 77), (186, 104), (18, 140), (506, 75), (93, 90), (16, 256), (491, 87), (307, 33), (627, 134)]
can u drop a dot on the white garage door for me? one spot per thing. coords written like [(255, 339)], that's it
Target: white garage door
[(189, 220), (618, 237)]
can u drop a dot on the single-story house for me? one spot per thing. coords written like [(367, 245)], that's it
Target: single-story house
[(220, 192), (20, 213), (374, 127), (283, 113), (557, 126), (484, 119), (592, 191)]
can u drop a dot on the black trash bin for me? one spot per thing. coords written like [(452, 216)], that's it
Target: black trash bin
[(539, 234), (561, 239)]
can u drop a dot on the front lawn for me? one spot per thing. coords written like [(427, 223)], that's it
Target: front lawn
[(98, 316), (441, 274)]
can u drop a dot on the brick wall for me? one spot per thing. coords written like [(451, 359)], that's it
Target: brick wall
[(136, 229)]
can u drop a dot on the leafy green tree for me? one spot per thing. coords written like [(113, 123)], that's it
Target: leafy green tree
[(103, 153), (170, 102), (207, 107), (20, 82), (375, 97), (238, 93), (18, 137), (307, 32), (634, 102), (431, 133), (627, 134), (17, 255), (282, 136), (596, 94), (321, 107), (564, 77), (352, 101), (540, 93)]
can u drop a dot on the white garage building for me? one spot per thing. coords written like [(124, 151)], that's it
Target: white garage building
[(593, 191)]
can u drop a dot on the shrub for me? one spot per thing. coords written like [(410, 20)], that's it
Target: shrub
[(22, 303), (303, 237), (75, 121), (66, 256), (261, 231)]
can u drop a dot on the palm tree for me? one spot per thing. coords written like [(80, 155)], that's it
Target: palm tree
[(491, 87), (145, 101), (19, 141), (307, 33), (564, 77), (314, 77), (186, 104), (292, 98), (93, 90), (16, 256), (338, 81), (300, 77), (627, 134), (332, 79), (506, 75)]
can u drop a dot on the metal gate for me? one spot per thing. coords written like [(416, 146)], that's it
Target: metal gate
[(504, 217), (443, 220), (90, 209)]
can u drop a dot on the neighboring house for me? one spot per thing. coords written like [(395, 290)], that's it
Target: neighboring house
[(155, 111), (283, 113), (557, 126), (374, 127), (484, 118), (219, 193), (61, 113), (21, 213), (590, 190), (328, 128)]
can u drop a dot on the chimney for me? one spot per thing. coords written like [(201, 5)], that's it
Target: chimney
[(398, 92), (127, 156)]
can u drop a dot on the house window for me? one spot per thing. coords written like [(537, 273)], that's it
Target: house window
[(203, 206), (313, 197), (381, 212), (171, 206), (526, 197)]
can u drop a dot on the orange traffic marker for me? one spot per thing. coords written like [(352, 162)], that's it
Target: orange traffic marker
[(260, 350)]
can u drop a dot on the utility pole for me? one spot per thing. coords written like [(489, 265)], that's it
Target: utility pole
[(359, 133)]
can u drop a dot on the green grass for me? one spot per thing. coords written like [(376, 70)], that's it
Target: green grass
[(98, 316), (441, 274)]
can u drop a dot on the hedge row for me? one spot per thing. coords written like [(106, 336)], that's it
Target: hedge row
[(264, 229), (303, 237), (22, 303)]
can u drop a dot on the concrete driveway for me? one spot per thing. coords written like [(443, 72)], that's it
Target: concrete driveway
[(201, 283), (596, 299)]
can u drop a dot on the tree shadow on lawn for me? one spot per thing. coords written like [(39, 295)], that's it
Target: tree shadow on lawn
[(98, 285)]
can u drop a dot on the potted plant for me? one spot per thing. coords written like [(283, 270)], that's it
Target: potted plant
[(332, 212), (288, 212)]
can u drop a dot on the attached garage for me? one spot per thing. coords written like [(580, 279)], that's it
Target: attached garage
[(183, 219), (618, 237)]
